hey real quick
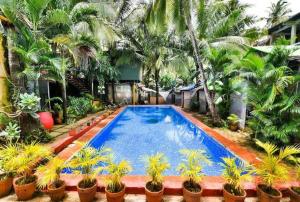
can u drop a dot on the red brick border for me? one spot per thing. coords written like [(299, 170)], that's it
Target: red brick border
[(212, 185)]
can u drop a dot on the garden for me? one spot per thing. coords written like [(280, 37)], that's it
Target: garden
[(76, 77)]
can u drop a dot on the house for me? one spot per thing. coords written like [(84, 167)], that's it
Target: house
[(126, 90), (290, 29)]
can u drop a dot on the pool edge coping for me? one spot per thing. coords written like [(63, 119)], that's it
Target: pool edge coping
[(212, 185)]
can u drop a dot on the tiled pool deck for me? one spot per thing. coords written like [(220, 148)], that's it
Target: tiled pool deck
[(212, 185)]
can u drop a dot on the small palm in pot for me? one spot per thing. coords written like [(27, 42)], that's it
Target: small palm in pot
[(156, 165), (235, 173), (272, 169), (49, 178), (191, 168)]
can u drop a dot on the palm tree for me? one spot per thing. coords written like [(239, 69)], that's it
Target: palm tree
[(212, 25), (278, 11), (57, 70), (272, 95)]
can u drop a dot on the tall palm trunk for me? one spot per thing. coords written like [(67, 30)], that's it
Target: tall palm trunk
[(211, 106), (64, 98), (3, 78), (156, 85), (13, 62)]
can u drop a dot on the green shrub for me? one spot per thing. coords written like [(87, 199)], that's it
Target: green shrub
[(11, 132), (79, 107), (4, 120)]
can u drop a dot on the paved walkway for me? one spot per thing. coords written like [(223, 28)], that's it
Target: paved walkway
[(73, 197), (62, 129)]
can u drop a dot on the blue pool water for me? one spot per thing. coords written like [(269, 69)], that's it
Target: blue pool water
[(144, 130)]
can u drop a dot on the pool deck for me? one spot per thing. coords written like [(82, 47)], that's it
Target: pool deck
[(212, 185)]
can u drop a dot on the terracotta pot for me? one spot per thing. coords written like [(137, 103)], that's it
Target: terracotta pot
[(115, 197), (25, 191), (57, 194), (233, 127), (191, 196), (294, 196), (5, 186), (87, 194), (73, 132), (154, 196), (228, 197), (265, 197)]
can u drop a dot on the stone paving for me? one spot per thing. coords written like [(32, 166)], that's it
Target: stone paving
[(59, 130), (73, 197)]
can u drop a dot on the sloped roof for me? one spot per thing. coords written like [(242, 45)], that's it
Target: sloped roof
[(282, 24), (294, 55)]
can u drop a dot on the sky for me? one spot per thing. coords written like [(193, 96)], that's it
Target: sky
[(259, 8)]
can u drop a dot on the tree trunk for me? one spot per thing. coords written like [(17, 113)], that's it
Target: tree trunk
[(3, 79), (64, 98), (211, 106), (156, 85), (13, 62), (113, 91)]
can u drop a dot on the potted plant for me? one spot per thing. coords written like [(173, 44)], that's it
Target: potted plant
[(7, 153), (234, 174), (233, 122), (84, 163), (191, 169), (294, 191), (49, 178), (58, 113), (271, 170), (156, 165), (23, 164), (115, 189)]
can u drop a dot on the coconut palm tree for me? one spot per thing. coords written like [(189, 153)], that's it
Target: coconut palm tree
[(278, 11), (213, 24), (272, 95)]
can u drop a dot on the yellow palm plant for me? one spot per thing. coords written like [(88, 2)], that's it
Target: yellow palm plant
[(272, 169), (115, 173), (156, 165), (235, 174), (27, 158), (7, 154), (50, 173), (85, 162), (191, 166)]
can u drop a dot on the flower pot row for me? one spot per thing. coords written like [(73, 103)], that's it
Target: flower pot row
[(21, 160)]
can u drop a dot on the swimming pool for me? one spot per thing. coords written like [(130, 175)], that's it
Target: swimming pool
[(144, 130)]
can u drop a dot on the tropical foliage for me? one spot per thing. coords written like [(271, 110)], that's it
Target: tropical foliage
[(278, 12), (85, 162), (235, 174), (271, 93), (115, 173), (271, 169), (192, 166), (23, 158), (50, 173), (156, 165)]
